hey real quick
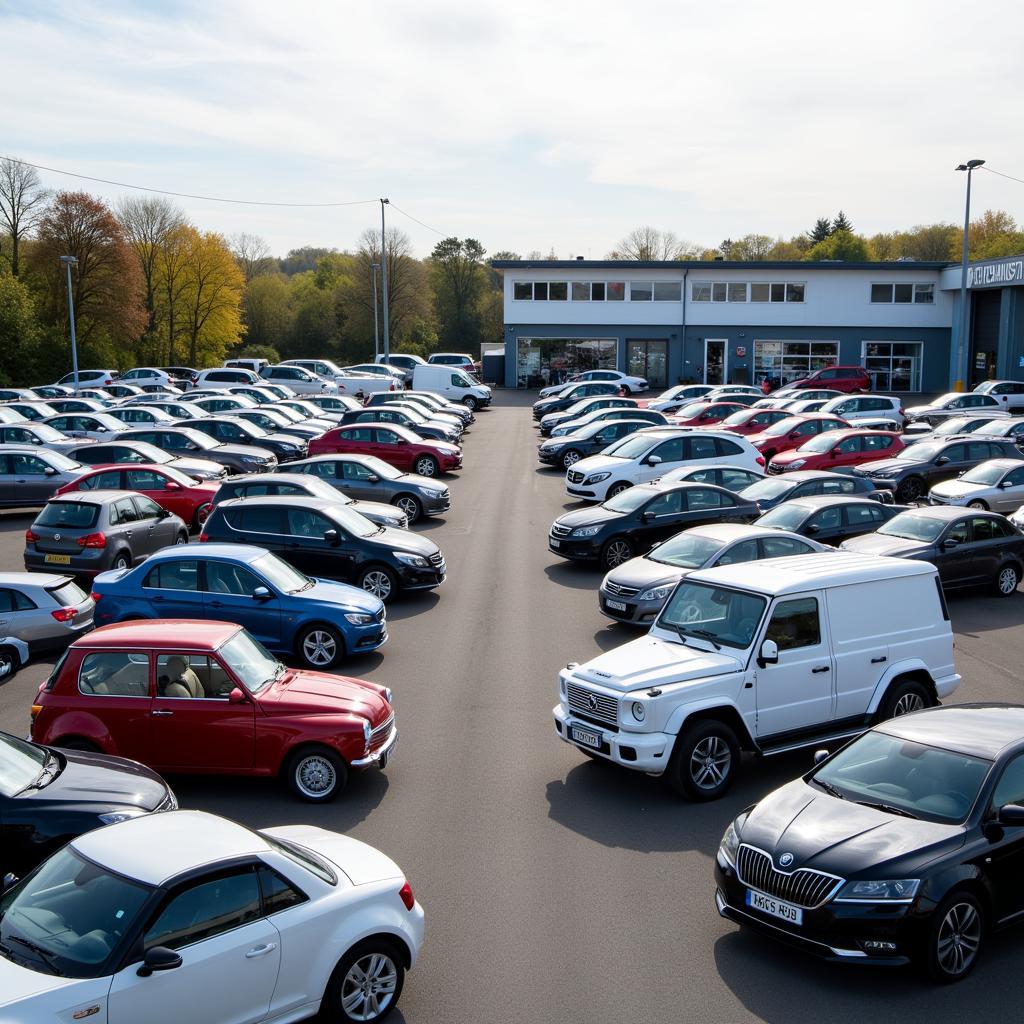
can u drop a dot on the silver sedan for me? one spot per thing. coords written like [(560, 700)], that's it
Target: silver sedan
[(997, 485)]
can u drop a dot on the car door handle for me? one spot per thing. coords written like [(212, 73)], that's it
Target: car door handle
[(263, 950), (158, 598), (162, 713), (216, 604), (820, 668), (878, 661)]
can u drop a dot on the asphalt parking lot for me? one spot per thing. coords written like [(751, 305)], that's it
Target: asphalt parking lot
[(556, 888)]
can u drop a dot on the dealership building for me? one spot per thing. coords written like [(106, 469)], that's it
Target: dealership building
[(729, 322)]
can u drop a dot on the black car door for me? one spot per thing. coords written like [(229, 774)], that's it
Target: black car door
[(825, 526), (952, 555), (1004, 856), (863, 518), (605, 436), (306, 547), (988, 546), (662, 517), (948, 464)]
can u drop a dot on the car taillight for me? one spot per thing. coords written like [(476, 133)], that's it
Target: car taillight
[(203, 538), (407, 897), (760, 460), (64, 614), (30, 537), (34, 714), (95, 596), (92, 540)]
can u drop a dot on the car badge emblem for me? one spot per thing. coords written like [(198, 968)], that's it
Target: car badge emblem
[(593, 702), (56, 536), (786, 859)]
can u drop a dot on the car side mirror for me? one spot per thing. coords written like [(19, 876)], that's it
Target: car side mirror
[(159, 958), (820, 755), (163, 513), (942, 460), (173, 485), (8, 880), (949, 543), (1003, 484), (332, 537), (653, 460), (236, 696), (769, 654), (647, 517), (1010, 814), (373, 478), (832, 453), (50, 471), (261, 594), (812, 528)]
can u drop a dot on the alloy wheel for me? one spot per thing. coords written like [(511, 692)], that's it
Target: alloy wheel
[(617, 552), (710, 761), (908, 703), (378, 583), (570, 458), (1007, 580), (410, 506), (958, 939), (315, 776), (369, 987), (977, 504), (120, 562), (426, 467), (319, 647)]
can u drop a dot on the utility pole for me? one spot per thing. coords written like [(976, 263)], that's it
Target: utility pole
[(384, 279), (69, 262), (962, 370), (376, 334)]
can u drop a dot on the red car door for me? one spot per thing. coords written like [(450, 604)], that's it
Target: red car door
[(393, 449), (154, 485), (114, 689), (849, 451), (195, 725)]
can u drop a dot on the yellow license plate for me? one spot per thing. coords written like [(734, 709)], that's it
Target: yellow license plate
[(58, 559)]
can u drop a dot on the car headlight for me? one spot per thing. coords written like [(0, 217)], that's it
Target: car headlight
[(730, 844), (359, 618), (388, 695), (586, 531), (883, 889), (393, 522), (418, 561), (797, 463), (255, 460), (432, 494), (596, 478), (657, 593), (112, 817), (366, 734), (639, 710)]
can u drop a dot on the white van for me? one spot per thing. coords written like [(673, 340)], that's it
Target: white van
[(764, 657), (452, 383)]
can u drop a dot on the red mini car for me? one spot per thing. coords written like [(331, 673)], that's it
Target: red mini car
[(395, 445), (753, 421), (705, 414), (839, 448), (839, 378), (792, 432), (189, 499), (183, 695)]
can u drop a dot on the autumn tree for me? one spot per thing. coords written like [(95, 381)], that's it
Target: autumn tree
[(648, 243), (171, 280), (212, 299), (750, 248), (458, 275), (995, 233), (266, 311), (22, 203)]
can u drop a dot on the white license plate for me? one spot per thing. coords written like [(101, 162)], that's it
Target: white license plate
[(775, 908), (554, 543), (588, 739), (618, 606)]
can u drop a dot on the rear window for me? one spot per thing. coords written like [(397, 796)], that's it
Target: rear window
[(73, 515), (67, 594)]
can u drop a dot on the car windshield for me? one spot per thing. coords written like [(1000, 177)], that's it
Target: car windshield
[(382, 469), (352, 522), (61, 462), (251, 662), (737, 419), (20, 764), (912, 526), (687, 550), (67, 917), (782, 427), (716, 614), (957, 425), (917, 780), (787, 516), (630, 447), (630, 499), (995, 428), (987, 473), (46, 433), (280, 575), (821, 443), (766, 489), (68, 515), (919, 452)]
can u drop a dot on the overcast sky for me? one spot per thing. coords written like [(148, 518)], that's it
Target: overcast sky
[(529, 125)]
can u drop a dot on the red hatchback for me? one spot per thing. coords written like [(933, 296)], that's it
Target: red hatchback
[(792, 432), (753, 421), (839, 448), (189, 499), (182, 695), (839, 378), (705, 414), (393, 444)]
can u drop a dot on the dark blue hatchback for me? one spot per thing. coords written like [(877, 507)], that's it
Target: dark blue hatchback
[(320, 621)]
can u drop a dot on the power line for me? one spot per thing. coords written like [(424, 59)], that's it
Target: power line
[(185, 195), (992, 170), (411, 217)]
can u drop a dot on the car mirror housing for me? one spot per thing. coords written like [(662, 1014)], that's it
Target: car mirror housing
[(653, 460), (261, 594), (821, 755), (50, 471), (1010, 814), (236, 696), (647, 517), (373, 478), (941, 460), (769, 654), (8, 880), (949, 543), (159, 958), (163, 513), (332, 537), (173, 485)]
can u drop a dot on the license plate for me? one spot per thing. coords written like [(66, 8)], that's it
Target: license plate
[(554, 543), (588, 739), (57, 559), (616, 606), (775, 908)]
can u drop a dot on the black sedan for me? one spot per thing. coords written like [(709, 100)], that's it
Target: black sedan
[(584, 407), (772, 491), (969, 547), (436, 430), (592, 439), (638, 518), (572, 394), (230, 430), (185, 442), (907, 845), (916, 469), (49, 795), (829, 519)]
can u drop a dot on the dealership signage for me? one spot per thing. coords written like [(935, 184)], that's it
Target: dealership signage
[(994, 275)]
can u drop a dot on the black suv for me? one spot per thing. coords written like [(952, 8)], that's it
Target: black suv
[(230, 430), (184, 441), (326, 539), (772, 491), (916, 469)]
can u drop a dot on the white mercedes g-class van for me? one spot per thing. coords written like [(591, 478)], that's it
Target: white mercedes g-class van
[(764, 657)]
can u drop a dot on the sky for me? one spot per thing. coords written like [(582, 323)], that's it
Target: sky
[(528, 125)]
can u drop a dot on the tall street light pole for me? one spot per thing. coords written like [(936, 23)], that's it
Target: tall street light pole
[(376, 342), (962, 370), (384, 278), (69, 262)]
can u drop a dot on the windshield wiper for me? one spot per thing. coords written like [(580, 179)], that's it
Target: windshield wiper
[(706, 634), (44, 955), (888, 808), (829, 788)]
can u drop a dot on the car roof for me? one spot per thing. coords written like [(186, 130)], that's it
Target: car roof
[(797, 573), (1006, 464), (98, 497), (982, 730), (154, 848), (239, 552), (828, 500), (726, 533), (160, 634), (842, 432), (32, 579), (803, 475), (947, 513), (289, 500)]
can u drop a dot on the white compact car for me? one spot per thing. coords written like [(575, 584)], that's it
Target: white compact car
[(857, 408), (300, 380), (184, 916), (649, 454), (348, 382), (952, 403), (630, 385), (1008, 393)]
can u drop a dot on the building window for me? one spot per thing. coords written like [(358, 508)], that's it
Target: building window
[(778, 292), (522, 290), (540, 291), (785, 361), (903, 293), (719, 291), (616, 291), (924, 293), (667, 291), (544, 361), (581, 291), (597, 291), (641, 291), (759, 292), (893, 365), (794, 293), (737, 291), (558, 291), (701, 291)]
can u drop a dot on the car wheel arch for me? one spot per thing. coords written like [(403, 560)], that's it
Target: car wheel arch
[(910, 671), (727, 714), (304, 627)]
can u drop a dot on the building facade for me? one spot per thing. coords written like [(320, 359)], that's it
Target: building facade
[(729, 322)]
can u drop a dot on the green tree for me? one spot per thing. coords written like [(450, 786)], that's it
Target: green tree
[(840, 245), (298, 261), (266, 311), (459, 281), (993, 234), (20, 332), (841, 223), (750, 248), (821, 230)]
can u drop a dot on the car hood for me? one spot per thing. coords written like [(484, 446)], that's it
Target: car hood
[(588, 517), (343, 594), (404, 540), (415, 481), (302, 693), (880, 544), (99, 779), (361, 863), (187, 464), (884, 465), (958, 489), (650, 661), (20, 984), (917, 410), (280, 438), (841, 837), (644, 573), (379, 509), (599, 463)]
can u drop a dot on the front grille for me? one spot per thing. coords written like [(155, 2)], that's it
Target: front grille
[(804, 887), (772, 468), (381, 733), (558, 530), (575, 476), (593, 705), (619, 591), (934, 499), (437, 559)]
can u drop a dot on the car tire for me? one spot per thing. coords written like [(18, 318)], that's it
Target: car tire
[(201, 515), (316, 774), (1007, 580), (571, 457), (380, 581), (953, 938), (320, 647), (182, 537), (410, 505), (616, 551), (342, 1000), (122, 560), (626, 391), (426, 465), (909, 490), (704, 761), (903, 698), (617, 488), (978, 505), (10, 662), (470, 403)]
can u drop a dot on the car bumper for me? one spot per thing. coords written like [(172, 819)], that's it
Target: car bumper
[(647, 752), (367, 638), (412, 578), (87, 565), (579, 550), (549, 458), (450, 464), (629, 609), (380, 758), (578, 491)]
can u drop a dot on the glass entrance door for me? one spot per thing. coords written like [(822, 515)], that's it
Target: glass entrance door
[(648, 359), (714, 361)]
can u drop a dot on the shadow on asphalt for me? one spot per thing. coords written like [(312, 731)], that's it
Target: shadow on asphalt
[(577, 576), (412, 604), (426, 524), (615, 635), (972, 612)]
